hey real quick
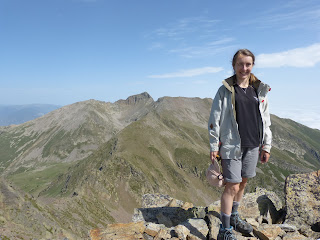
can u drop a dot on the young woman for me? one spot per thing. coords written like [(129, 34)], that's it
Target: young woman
[(239, 130)]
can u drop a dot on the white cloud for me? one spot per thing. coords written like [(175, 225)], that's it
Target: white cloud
[(294, 19), (201, 51), (182, 27), (298, 57), (190, 37), (189, 72), (288, 16), (306, 115)]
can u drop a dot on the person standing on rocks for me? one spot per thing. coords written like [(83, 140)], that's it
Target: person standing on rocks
[(239, 130)]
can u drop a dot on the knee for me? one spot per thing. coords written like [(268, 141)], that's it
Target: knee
[(243, 183), (233, 188)]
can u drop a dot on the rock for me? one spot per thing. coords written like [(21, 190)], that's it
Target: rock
[(155, 200), (253, 222), (187, 206), (267, 232), (198, 229), (119, 231), (303, 199), (293, 236), (198, 212), (152, 229), (163, 234), (308, 232), (287, 227), (181, 232), (261, 202), (213, 222), (147, 236), (214, 207), (173, 203), (169, 218), (239, 236), (177, 203)]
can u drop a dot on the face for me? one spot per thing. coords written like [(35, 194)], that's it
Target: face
[(243, 67)]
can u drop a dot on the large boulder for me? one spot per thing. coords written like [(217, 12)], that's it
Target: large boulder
[(303, 199), (195, 229), (261, 203)]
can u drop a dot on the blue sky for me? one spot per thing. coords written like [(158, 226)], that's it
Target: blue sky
[(65, 51)]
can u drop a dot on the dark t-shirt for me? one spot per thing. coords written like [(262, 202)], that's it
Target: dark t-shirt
[(247, 110)]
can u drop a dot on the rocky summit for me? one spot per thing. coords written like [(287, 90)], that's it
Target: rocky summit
[(86, 165), (163, 217)]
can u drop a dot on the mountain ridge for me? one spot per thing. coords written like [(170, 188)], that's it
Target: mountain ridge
[(83, 162)]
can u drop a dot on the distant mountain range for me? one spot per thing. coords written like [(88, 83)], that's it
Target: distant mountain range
[(87, 164), (17, 114)]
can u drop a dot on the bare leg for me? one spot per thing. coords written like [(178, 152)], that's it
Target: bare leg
[(230, 192), (235, 220), (242, 186)]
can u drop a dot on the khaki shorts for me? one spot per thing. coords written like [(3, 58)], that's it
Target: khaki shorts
[(236, 169)]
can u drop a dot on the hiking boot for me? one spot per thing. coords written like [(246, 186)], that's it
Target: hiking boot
[(225, 234), (239, 224)]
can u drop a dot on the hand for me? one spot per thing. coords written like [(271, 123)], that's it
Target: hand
[(213, 156), (264, 156)]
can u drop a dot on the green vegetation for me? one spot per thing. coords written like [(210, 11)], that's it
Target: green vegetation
[(33, 181), (191, 161), (165, 149), (4, 238), (12, 144), (7, 153)]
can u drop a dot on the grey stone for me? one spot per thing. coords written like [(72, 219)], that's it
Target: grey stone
[(303, 199), (261, 203), (213, 222), (287, 227), (198, 228)]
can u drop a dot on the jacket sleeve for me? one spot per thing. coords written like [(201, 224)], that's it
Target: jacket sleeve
[(267, 138), (214, 122)]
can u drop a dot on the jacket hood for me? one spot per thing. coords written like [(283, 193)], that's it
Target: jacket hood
[(260, 87), (229, 82)]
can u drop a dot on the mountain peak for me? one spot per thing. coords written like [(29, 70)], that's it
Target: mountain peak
[(134, 99)]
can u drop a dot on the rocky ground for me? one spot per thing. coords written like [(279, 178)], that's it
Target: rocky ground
[(163, 217)]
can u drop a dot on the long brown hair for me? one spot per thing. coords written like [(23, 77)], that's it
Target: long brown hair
[(247, 53)]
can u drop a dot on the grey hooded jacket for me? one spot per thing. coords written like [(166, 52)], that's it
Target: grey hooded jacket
[(223, 128)]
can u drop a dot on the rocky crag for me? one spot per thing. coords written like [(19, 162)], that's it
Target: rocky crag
[(162, 217)]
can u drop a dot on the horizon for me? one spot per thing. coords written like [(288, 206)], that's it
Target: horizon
[(309, 118), (62, 52)]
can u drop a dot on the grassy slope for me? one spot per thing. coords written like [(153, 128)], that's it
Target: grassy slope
[(23, 217), (134, 163), (165, 152), (162, 153)]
